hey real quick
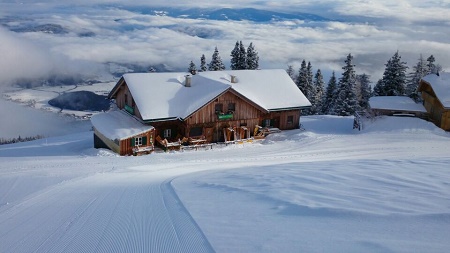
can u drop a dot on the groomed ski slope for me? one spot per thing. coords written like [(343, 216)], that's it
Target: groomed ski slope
[(326, 189)]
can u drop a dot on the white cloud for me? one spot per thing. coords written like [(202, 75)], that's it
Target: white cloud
[(123, 36)]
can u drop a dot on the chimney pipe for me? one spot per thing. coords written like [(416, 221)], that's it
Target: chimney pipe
[(187, 82), (233, 79)]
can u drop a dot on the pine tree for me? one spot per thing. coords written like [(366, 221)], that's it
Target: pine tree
[(365, 90), (242, 61), (394, 77), (319, 93), (432, 67), (252, 57), (291, 72), (192, 68), (378, 89), (235, 57), (346, 103), (305, 83), (203, 63), (330, 95), (216, 63), (419, 70)]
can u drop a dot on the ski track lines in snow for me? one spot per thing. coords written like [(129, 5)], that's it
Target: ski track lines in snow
[(103, 213)]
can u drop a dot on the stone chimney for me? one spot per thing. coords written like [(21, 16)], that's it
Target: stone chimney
[(188, 81), (233, 79)]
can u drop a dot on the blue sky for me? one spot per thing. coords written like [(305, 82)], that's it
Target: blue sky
[(371, 30)]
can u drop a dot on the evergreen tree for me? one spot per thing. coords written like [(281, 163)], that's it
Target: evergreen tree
[(242, 61), (330, 95), (346, 103), (432, 67), (216, 63), (252, 57), (319, 93), (378, 90), (235, 57), (203, 63), (394, 77), (305, 83), (291, 72), (419, 70), (192, 68), (365, 90)]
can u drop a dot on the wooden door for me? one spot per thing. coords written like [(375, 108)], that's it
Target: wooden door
[(209, 134)]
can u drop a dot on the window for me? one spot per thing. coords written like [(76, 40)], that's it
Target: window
[(231, 107), (167, 133), (138, 141), (196, 131), (267, 122), (290, 120), (218, 108)]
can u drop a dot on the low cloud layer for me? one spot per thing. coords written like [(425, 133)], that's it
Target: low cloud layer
[(371, 31)]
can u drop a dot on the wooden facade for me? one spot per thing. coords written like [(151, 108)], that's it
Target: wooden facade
[(229, 109), (438, 113), (134, 145)]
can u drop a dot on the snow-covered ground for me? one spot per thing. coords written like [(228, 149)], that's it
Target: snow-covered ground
[(326, 189)]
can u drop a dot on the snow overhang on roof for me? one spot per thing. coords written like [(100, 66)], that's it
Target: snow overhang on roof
[(397, 103), (441, 87), (118, 125)]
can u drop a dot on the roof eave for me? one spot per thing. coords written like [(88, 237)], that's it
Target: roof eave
[(289, 108)]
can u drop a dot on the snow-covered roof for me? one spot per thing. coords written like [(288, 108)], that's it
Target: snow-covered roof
[(395, 103), (164, 95), (272, 89), (441, 86), (118, 125)]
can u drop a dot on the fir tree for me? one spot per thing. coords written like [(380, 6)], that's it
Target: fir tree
[(192, 68), (346, 103), (365, 90), (216, 63), (394, 77), (419, 70), (242, 60), (203, 63), (252, 57), (319, 93), (291, 72), (330, 95), (378, 89), (432, 67), (305, 83), (235, 57)]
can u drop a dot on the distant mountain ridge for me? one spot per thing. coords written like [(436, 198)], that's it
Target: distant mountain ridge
[(223, 14)]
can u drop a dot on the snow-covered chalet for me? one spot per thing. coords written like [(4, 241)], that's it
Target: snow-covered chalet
[(167, 109)]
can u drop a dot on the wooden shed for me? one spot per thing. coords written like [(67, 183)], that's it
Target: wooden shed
[(397, 106), (122, 134), (435, 91)]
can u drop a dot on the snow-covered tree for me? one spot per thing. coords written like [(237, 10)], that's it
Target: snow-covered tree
[(216, 63), (235, 57), (291, 72), (319, 93), (364, 90), (346, 102), (378, 89), (330, 95), (419, 70), (432, 67), (242, 61), (203, 63), (305, 83), (252, 57), (394, 77), (192, 68)]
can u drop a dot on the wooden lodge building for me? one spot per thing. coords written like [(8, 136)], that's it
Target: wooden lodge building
[(213, 106), (435, 90)]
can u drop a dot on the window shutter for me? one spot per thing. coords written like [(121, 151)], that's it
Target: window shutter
[(133, 142), (272, 122), (144, 141), (174, 133)]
